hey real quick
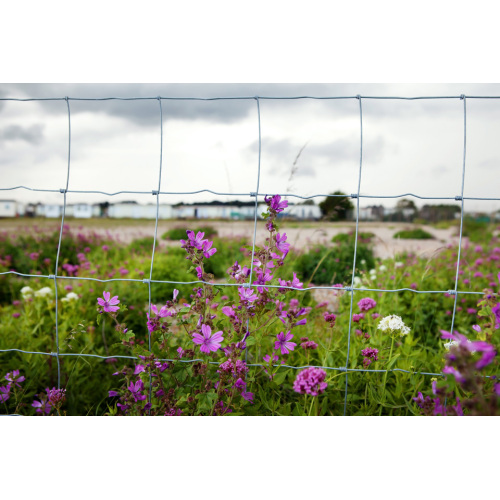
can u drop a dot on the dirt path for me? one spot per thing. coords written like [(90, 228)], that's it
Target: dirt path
[(300, 235)]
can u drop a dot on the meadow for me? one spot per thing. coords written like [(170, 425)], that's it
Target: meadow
[(204, 348)]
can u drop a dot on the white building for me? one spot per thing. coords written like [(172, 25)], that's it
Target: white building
[(82, 211), (309, 212), (7, 208), (132, 210), (49, 211)]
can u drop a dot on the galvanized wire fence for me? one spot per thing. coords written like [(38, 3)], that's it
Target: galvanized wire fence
[(255, 195)]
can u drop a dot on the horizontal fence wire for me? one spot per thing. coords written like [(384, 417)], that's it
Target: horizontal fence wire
[(344, 369)]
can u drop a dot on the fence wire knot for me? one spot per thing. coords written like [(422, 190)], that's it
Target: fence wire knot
[(63, 191), (458, 198), (342, 369), (54, 354), (51, 277), (347, 288), (146, 281), (253, 194), (354, 195), (154, 192), (451, 292), (462, 96)]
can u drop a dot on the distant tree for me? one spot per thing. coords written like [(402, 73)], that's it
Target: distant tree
[(405, 204), (306, 202), (336, 207)]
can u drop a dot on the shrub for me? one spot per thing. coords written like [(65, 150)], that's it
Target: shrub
[(364, 237), (179, 233), (413, 234), (325, 266)]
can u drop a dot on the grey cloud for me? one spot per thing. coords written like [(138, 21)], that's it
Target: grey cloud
[(146, 112), (33, 134)]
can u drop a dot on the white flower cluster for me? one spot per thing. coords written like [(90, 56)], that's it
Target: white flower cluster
[(44, 292), (393, 324), (71, 296), (26, 292)]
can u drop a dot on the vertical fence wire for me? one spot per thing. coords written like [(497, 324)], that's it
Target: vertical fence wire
[(255, 216), (461, 216), (355, 251), (64, 191), (157, 193)]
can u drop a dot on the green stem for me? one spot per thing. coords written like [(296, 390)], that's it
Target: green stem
[(385, 375), (311, 407)]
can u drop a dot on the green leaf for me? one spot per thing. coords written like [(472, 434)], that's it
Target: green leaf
[(250, 341), (280, 377)]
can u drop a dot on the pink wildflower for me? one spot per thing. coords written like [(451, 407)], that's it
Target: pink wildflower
[(283, 343), (366, 304), (310, 381), (109, 305), (207, 341)]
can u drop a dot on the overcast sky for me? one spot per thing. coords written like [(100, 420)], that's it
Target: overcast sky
[(408, 146)]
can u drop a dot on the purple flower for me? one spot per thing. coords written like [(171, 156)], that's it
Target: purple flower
[(309, 345), (112, 394), (247, 295), (55, 396), (199, 273), (176, 292), (283, 343), (109, 305), (240, 384), (453, 371), (370, 354), (208, 251), (136, 390), (229, 311), (162, 313), (14, 378), (180, 352), (366, 304), (267, 358), (4, 393), (42, 406), (276, 204), (196, 241), (248, 396), (310, 381), (207, 341), (139, 369), (357, 317), (281, 243), (295, 282)]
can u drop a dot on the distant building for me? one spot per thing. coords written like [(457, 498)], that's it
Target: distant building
[(82, 211), (8, 208), (374, 213)]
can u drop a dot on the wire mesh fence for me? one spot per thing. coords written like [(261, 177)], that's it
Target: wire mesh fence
[(253, 195)]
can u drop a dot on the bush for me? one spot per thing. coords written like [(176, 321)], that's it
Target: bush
[(413, 234), (365, 237), (325, 266), (179, 233), (476, 231)]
